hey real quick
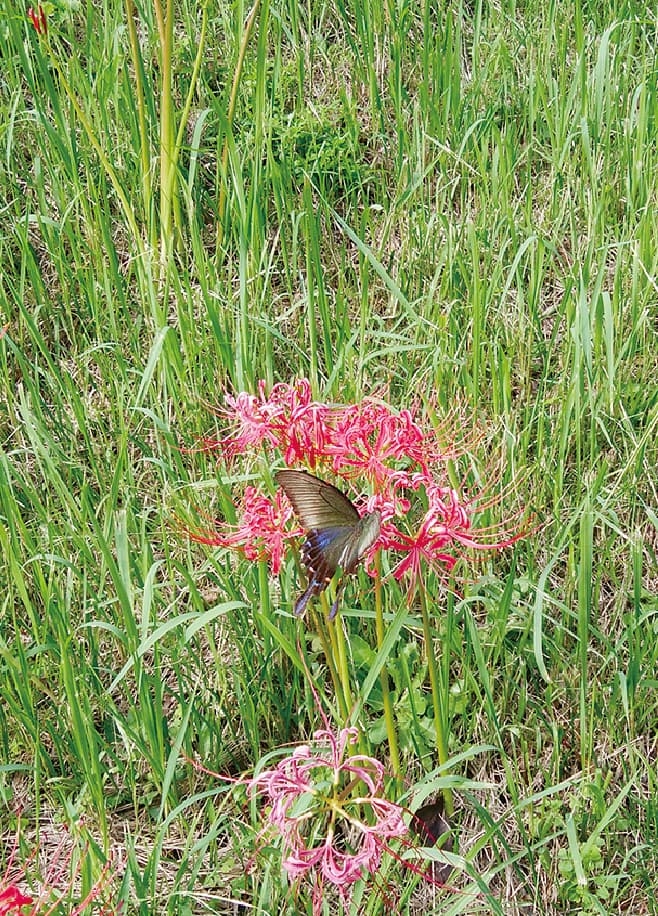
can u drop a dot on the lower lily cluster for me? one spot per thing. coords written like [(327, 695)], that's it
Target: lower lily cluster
[(326, 804)]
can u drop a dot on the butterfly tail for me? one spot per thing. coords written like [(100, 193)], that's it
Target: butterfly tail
[(313, 589)]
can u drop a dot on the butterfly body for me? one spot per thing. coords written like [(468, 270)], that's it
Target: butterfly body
[(336, 535)]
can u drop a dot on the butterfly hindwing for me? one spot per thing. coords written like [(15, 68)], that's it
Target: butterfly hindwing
[(322, 551), (336, 536)]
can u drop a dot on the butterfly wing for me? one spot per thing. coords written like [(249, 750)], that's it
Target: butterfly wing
[(317, 504), (336, 536)]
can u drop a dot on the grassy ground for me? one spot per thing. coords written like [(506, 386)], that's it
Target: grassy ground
[(449, 205)]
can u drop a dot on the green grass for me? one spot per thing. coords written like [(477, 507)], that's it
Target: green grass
[(449, 205)]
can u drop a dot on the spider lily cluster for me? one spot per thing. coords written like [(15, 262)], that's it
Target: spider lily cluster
[(325, 802), (426, 523), (327, 806)]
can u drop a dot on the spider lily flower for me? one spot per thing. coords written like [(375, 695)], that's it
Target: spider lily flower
[(262, 533), (444, 533), (328, 808), (39, 19), (288, 419), (12, 900)]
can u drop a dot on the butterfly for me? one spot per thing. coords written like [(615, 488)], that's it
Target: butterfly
[(336, 535), (431, 825)]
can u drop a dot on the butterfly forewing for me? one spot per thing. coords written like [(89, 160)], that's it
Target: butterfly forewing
[(317, 504)]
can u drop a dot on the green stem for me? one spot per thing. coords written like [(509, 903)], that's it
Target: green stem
[(311, 284), (142, 120), (330, 655), (440, 719), (337, 634), (230, 113), (191, 94), (107, 165), (165, 20), (389, 717)]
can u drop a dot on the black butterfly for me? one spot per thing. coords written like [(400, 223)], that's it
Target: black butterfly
[(430, 824), (336, 536)]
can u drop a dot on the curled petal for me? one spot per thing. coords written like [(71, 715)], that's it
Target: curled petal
[(12, 899)]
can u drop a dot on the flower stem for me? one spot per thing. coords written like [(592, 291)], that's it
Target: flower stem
[(337, 634), (389, 717), (331, 654), (165, 20), (440, 718), (142, 117), (230, 112)]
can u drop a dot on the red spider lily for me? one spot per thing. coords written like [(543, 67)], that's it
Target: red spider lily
[(360, 438), (330, 831), (55, 885), (443, 530), (327, 805), (12, 899), (389, 449), (371, 439), (39, 19), (252, 416), (303, 425), (288, 419), (262, 533)]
